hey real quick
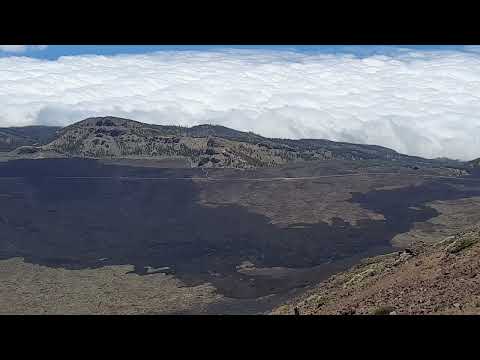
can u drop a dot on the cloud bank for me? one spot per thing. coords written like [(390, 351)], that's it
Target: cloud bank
[(418, 103)]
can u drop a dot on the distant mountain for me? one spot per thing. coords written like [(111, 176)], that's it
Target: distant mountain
[(202, 145), (14, 137), (475, 163)]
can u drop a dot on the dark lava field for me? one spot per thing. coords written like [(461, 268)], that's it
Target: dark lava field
[(84, 214)]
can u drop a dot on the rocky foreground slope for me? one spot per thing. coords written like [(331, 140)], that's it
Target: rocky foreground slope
[(200, 146), (439, 278)]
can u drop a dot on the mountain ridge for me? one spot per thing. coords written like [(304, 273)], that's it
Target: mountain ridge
[(203, 145)]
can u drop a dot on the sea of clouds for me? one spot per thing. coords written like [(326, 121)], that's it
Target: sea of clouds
[(418, 103)]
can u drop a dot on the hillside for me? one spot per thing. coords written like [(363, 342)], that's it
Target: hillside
[(201, 146), (439, 278), (475, 163), (14, 137)]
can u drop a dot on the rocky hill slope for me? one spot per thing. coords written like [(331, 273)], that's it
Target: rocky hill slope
[(203, 145), (439, 278)]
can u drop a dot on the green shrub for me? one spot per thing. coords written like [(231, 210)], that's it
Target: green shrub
[(383, 310), (461, 244)]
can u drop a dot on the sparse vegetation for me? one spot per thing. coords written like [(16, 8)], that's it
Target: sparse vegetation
[(462, 243), (383, 310)]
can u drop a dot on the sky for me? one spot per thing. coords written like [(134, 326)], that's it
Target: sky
[(418, 100), (53, 52)]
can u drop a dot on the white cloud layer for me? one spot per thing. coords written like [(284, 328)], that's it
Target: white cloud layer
[(418, 103), (21, 48)]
